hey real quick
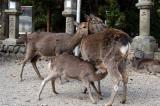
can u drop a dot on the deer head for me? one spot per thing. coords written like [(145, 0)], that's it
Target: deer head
[(82, 28), (95, 24)]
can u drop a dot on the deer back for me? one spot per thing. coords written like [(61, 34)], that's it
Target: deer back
[(105, 40), (71, 66)]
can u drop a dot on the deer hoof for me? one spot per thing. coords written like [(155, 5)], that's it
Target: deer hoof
[(41, 78), (39, 98), (94, 102), (123, 101), (56, 93), (101, 98), (21, 79), (108, 104)]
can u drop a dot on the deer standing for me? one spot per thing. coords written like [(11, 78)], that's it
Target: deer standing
[(50, 44), (116, 44), (72, 67)]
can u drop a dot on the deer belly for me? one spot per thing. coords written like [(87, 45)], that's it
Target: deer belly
[(46, 52)]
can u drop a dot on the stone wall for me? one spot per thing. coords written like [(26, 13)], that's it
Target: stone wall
[(157, 54), (16, 50)]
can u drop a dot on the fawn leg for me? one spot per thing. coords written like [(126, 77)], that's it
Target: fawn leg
[(52, 76), (99, 87), (87, 85), (53, 87), (97, 92)]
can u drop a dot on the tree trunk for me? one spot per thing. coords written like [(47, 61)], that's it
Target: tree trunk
[(49, 19)]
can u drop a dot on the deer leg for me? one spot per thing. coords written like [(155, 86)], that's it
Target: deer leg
[(28, 56), (114, 92), (85, 90), (33, 61), (65, 79), (97, 92), (87, 85), (51, 76), (23, 64), (53, 87), (99, 87), (125, 81)]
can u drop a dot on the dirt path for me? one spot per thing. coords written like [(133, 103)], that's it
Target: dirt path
[(143, 90)]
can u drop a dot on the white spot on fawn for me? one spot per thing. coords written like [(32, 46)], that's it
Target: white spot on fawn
[(115, 87), (124, 49)]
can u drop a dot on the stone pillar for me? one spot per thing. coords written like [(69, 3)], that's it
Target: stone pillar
[(13, 23), (69, 12), (1, 25), (78, 16), (144, 45), (69, 25)]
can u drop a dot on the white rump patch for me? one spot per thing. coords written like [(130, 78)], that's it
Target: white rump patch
[(124, 49)]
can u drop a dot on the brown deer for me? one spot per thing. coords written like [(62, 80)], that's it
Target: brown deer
[(50, 44), (114, 43), (151, 65), (73, 67)]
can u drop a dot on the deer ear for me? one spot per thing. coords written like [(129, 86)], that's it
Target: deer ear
[(92, 16), (76, 23), (87, 17)]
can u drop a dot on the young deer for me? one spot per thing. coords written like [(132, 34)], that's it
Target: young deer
[(50, 44), (72, 67)]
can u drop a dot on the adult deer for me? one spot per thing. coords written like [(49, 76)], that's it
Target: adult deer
[(50, 44), (114, 43)]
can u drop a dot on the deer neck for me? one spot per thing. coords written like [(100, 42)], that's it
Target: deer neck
[(99, 76), (75, 40)]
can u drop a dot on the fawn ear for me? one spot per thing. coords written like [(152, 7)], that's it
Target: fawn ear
[(76, 23)]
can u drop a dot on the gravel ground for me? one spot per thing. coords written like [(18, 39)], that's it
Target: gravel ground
[(143, 89)]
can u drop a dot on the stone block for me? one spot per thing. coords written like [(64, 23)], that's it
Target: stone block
[(10, 49), (144, 46), (144, 43), (138, 53), (22, 49), (9, 41), (5, 48), (16, 49), (157, 55)]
